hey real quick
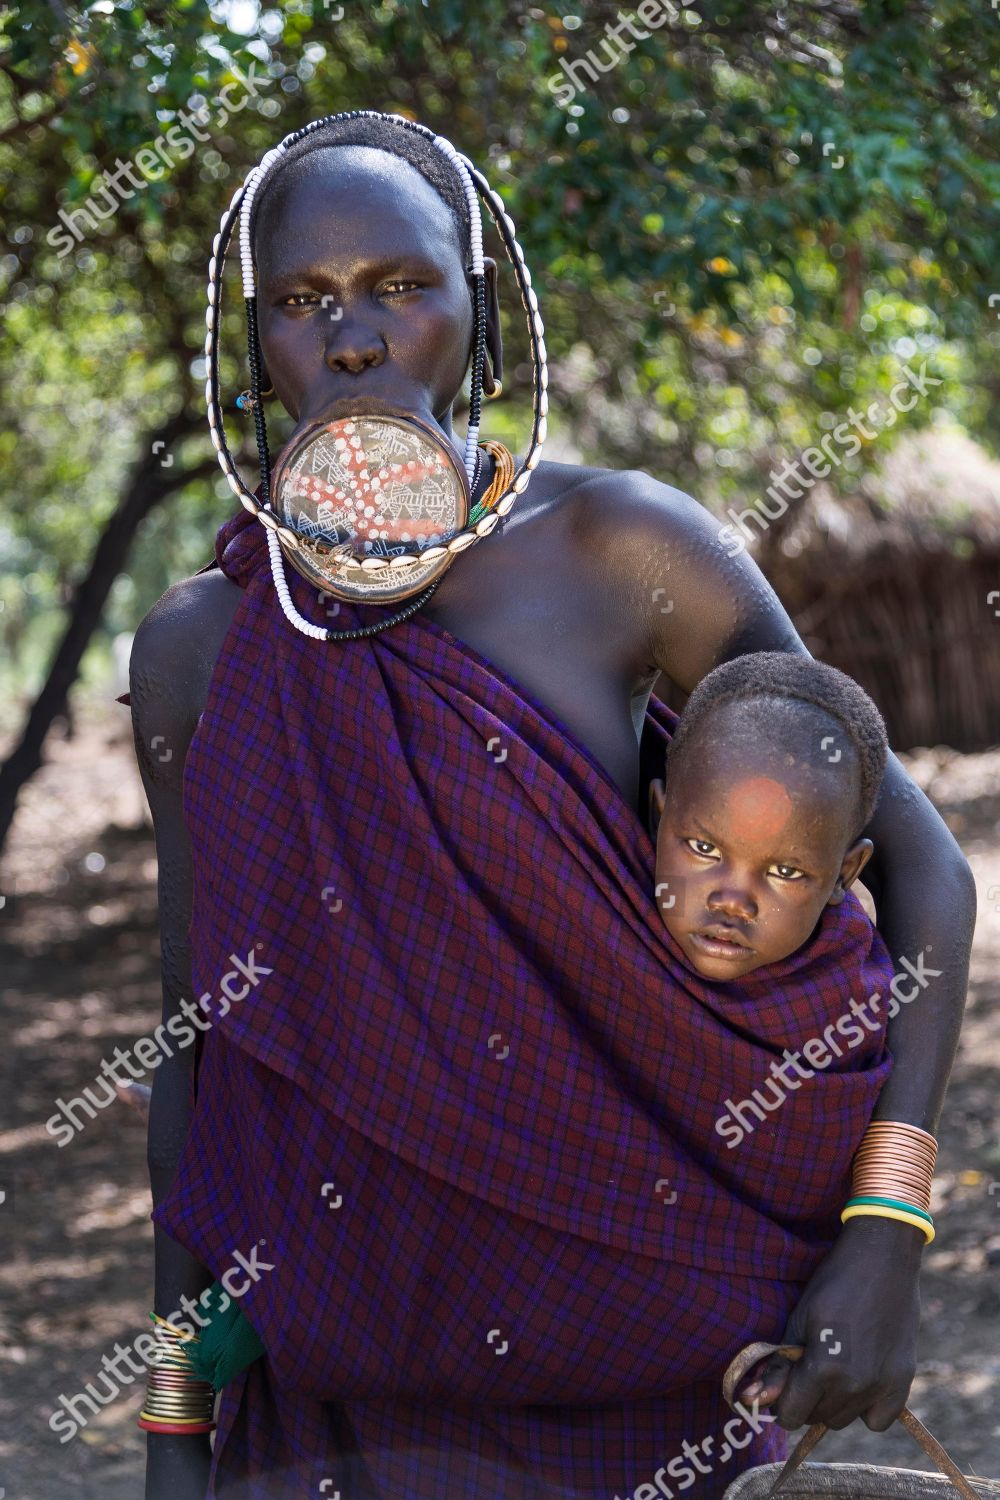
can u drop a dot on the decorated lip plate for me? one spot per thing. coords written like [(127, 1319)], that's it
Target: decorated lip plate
[(375, 487)]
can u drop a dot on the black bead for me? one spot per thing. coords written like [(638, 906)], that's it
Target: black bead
[(404, 614)]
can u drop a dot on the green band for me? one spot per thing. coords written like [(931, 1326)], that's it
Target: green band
[(908, 1208)]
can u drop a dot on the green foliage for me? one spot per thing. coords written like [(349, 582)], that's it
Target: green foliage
[(738, 232)]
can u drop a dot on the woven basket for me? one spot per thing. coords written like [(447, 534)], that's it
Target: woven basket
[(801, 1481), (858, 1481)]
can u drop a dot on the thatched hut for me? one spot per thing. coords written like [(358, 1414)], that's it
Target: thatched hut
[(899, 585)]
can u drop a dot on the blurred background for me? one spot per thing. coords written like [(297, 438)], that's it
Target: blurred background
[(764, 242)]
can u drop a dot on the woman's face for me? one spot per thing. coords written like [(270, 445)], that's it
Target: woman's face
[(362, 294)]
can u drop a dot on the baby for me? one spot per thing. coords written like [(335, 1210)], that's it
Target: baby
[(772, 775)]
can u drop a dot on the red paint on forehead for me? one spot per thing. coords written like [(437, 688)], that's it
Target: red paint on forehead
[(758, 807)]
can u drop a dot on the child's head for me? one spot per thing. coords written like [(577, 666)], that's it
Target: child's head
[(772, 776)]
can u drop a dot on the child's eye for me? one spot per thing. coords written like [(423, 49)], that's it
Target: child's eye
[(400, 287), (788, 872), (701, 846), (298, 299)]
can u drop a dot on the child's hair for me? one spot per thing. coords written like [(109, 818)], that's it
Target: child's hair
[(383, 135), (792, 679)]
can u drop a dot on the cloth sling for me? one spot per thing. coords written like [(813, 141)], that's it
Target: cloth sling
[(457, 1123)]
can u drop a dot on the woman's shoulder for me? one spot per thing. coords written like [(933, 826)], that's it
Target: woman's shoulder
[(176, 646)]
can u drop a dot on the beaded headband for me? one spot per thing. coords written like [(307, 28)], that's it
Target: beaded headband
[(239, 211)]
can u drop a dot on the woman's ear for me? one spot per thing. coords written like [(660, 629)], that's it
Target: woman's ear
[(657, 800), (493, 364), (853, 863)]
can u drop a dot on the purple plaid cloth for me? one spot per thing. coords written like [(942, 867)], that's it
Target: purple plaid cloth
[(467, 1118)]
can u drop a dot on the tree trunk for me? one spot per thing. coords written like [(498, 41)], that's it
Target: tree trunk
[(149, 485)]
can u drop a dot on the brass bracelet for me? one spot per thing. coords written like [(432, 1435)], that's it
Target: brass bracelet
[(895, 1160), (177, 1400)]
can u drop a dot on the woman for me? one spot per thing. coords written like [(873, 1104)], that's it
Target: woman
[(550, 632)]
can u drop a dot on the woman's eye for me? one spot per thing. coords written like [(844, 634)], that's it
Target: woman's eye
[(701, 846), (788, 872), (390, 288)]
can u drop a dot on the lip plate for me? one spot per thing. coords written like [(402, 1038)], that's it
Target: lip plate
[(350, 581)]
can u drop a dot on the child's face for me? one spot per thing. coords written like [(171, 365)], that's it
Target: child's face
[(750, 847)]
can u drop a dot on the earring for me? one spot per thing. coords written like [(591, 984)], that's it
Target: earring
[(245, 402), (497, 385)]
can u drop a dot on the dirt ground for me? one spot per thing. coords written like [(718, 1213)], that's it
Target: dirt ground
[(79, 959)]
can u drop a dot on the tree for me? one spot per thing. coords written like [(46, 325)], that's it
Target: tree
[(741, 223)]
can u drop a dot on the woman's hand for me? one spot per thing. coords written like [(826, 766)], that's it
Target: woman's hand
[(857, 1321)]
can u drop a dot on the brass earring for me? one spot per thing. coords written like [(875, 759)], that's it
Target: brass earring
[(496, 384)]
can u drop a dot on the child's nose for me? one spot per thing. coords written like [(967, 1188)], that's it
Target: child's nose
[(733, 901)]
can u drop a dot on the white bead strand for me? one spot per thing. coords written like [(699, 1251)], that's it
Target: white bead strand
[(318, 632)]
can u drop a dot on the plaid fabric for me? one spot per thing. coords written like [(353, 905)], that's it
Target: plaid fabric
[(468, 1117)]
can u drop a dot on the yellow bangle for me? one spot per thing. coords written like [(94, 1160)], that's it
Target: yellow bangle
[(187, 1338), (889, 1213)]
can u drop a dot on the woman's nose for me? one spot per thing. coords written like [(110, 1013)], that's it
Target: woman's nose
[(352, 348)]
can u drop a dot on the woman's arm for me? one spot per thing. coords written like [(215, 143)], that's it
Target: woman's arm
[(176, 1467), (925, 899), (721, 606)]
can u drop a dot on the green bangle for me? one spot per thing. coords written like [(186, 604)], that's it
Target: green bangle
[(891, 1203)]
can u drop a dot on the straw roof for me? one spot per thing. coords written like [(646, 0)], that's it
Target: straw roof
[(892, 584), (937, 491)]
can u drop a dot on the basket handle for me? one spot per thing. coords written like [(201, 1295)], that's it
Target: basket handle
[(745, 1361)]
